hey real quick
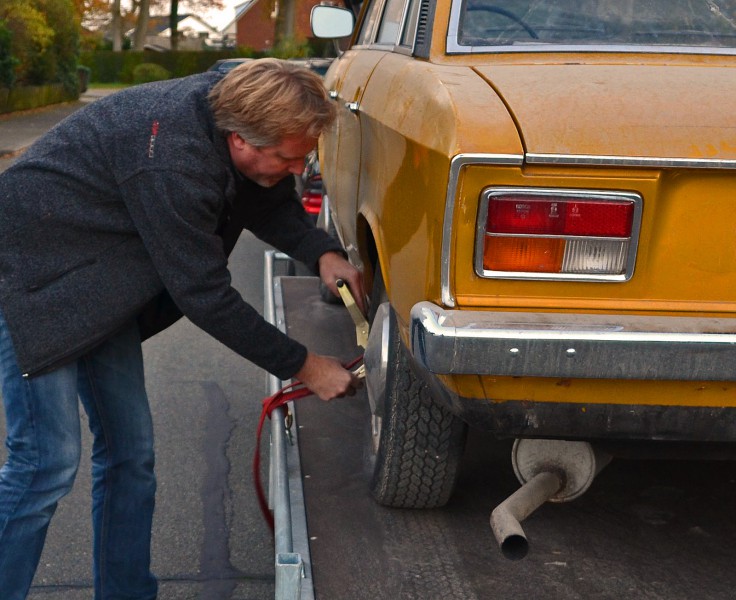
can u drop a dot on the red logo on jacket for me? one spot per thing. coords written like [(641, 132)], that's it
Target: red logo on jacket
[(152, 139)]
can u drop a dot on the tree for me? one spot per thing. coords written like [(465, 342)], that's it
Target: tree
[(91, 9), (174, 25), (43, 41), (117, 27), (59, 62), (7, 60), (285, 22), (192, 5), (94, 15), (99, 14), (141, 25), (31, 36)]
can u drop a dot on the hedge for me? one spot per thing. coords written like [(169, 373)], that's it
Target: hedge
[(117, 67), (147, 72), (33, 96)]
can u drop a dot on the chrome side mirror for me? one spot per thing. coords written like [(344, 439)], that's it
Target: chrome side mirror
[(331, 22)]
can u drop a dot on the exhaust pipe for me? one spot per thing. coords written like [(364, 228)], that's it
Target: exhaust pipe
[(549, 470), (506, 517)]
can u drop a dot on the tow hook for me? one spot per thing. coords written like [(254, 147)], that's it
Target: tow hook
[(549, 470)]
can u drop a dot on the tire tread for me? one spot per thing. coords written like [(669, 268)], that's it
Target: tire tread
[(421, 443)]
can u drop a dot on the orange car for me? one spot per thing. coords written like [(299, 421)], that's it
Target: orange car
[(542, 197)]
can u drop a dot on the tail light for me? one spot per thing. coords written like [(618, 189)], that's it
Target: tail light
[(557, 234), (312, 195)]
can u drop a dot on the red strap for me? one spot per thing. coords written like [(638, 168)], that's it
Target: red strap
[(293, 391)]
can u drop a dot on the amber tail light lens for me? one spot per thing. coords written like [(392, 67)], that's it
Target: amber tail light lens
[(553, 233), (523, 254)]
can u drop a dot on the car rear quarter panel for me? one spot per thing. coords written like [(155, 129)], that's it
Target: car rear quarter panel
[(415, 117)]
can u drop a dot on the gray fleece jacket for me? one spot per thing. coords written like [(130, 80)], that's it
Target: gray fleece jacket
[(129, 203)]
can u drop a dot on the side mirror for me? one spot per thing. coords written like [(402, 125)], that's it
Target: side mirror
[(331, 22)]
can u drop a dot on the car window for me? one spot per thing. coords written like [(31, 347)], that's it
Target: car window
[(410, 27), (388, 31), (369, 21), (695, 23)]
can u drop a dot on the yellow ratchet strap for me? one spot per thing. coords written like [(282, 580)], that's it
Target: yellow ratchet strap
[(361, 324)]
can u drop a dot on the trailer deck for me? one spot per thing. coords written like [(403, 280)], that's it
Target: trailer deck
[(646, 528)]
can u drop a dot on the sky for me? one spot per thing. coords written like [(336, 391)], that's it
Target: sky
[(220, 18)]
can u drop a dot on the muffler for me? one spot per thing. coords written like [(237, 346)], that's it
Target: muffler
[(549, 470)]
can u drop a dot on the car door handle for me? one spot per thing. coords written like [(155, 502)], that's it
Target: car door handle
[(334, 94), (353, 107)]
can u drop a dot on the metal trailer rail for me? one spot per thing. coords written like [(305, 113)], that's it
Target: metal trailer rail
[(286, 494)]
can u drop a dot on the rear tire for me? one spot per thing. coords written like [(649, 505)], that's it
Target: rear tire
[(418, 443)]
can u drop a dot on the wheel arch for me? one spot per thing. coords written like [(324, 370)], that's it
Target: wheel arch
[(370, 252)]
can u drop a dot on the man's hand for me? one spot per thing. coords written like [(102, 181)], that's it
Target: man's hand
[(332, 266), (327, 378)]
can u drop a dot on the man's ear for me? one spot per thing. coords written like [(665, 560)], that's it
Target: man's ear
[(237, 141)]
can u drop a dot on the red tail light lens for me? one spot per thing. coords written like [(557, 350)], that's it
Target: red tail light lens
[(312, 202), (312, 195), (603, 219), (520, 214), (534, 215)]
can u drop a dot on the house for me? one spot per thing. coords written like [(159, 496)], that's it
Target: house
[(254, 24), (194, 33)]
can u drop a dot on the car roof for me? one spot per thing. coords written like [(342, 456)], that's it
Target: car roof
[(227, 64)]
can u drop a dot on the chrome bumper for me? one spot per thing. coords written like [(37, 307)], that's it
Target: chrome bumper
[(563, 345)]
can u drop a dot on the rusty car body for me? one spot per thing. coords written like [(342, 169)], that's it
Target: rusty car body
[(541, 196)]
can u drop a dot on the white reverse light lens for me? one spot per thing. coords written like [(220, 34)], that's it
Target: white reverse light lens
[(595, 256)]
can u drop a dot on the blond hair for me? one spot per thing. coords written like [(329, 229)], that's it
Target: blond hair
[(267, 100)]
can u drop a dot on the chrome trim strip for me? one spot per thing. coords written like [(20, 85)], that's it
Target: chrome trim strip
[(453, 47), (453, 25), (629, 161), (456, 164), (562, 345), (612, 195)]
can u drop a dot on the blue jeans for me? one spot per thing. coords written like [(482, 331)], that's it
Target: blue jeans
[(44, 447)]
